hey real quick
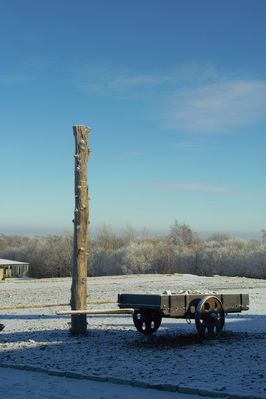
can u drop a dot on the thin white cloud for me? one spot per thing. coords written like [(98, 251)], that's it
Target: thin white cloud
[(192, 142), (189, 98), (218, 107), (113, 83), (203, 187), (170, 187), (104, 80)]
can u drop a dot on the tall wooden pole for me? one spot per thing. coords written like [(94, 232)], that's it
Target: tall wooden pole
[(81, 218)]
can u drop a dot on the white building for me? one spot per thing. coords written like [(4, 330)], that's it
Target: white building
[(13, 268)]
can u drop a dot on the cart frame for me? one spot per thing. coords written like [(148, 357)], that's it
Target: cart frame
[(208, 310)]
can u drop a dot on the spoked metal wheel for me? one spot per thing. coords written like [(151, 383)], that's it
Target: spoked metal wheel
[(147, 322), (209, 317)]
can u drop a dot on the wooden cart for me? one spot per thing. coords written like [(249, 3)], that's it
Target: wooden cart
[(208, 310)]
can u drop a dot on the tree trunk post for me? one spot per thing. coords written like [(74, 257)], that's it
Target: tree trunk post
[(81, 219)]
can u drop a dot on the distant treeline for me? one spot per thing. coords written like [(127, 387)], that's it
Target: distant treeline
[(111, 253)]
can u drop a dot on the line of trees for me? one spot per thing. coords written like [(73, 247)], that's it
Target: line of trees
[(111, 253)]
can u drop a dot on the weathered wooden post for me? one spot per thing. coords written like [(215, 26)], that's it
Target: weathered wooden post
[(80, 245)]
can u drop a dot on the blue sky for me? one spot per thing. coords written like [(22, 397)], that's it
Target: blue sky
[(175, 94)]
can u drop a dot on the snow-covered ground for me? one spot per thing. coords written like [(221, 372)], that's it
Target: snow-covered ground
[(235, 363)]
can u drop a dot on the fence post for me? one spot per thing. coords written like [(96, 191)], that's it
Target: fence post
[(80, 244)]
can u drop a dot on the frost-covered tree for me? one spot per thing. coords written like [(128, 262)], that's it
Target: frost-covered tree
[(219, 237), (181, 234), (110, 253)]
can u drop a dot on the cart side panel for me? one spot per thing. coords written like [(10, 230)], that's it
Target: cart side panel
[(139, 301), (235, 302), (245, 301), (166, 305), (181, 305), (177, 305)]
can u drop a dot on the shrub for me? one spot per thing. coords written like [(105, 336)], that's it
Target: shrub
[(112, 254)]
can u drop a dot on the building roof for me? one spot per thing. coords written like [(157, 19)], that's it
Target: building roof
[(7, 262)]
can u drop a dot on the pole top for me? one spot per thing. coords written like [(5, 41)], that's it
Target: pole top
[(81, 126), (81, 129)]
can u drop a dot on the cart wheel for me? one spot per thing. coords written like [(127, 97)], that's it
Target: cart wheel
[(209, 317), (147, 322)]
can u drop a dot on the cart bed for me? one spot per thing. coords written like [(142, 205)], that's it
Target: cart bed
[(181, 305)]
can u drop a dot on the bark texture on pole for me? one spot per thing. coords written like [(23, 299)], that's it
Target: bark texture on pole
[(81, 219)]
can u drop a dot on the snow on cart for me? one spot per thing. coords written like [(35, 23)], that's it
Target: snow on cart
[(207, 310)]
